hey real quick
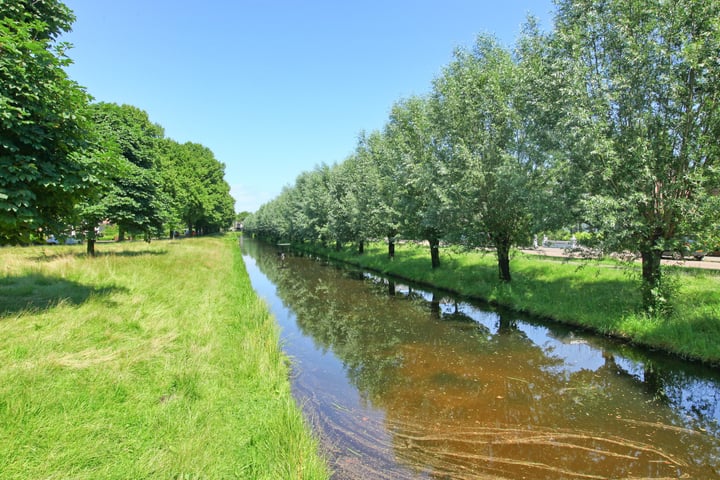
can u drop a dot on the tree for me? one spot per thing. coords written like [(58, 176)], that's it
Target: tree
[(44, 126), (361, 202), (483, 141), (642, 82), (194, 181), (424, 200), (93, 208), (385, 176), (135, 201), (333, 187), (537, 97)]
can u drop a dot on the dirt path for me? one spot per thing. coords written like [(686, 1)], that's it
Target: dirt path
[(708, 263)]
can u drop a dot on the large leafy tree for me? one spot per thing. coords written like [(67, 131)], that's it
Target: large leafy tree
[(218, 205), (337, 181), (194, 181), (483, 139), (106, 166), (424, 200), (356, 183), (43, 124), (384, 182), (314, 203), (642, 80), (541, 140), (134, 199)]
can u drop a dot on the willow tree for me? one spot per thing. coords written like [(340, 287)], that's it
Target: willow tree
[(483, 136), (424, 198), (363, 195), (642, 84), (386, 180)]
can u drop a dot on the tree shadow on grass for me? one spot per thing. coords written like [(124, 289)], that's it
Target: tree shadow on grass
[(132, 253), (46, 257), (36, 292)]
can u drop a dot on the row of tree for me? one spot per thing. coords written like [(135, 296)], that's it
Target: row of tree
[(611, 120), (65, 161)]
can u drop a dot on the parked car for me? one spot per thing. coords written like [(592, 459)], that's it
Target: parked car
[(51, 240), (687, 248)]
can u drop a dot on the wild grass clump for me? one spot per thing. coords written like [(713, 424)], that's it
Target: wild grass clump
[(600, 295), (148, 361)]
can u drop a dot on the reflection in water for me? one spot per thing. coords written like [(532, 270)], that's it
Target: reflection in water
[(400, 382)]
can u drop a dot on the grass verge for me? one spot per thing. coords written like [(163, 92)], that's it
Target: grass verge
[(598, 295), (149, 361)]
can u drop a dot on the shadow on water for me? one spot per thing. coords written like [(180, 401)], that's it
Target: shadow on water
[(403, 382), (42, 292)]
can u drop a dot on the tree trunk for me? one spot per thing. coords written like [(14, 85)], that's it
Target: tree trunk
[(361, 247), (503, 255), (506, 323), (435, 306), (435, 252), (91, 247), (651, 277), (337, 245), (391, 243)]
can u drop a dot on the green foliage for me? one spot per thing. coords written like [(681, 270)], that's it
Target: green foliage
[(425, 201), (494, 178), (133, 199), (641, 82), (129, 128), (193, 179), (241, 216), (153, 182), (48, 19), (64, 163), (42, 113), (382, 186)]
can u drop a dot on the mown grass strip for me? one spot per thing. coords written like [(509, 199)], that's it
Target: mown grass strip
[(599, 295), (149, 361)]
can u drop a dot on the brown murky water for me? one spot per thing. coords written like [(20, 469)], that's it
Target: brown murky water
[(400, 382)]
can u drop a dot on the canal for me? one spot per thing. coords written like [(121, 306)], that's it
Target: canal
[(400, 382)]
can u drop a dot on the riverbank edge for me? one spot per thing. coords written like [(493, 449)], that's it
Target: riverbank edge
[(395, 269)]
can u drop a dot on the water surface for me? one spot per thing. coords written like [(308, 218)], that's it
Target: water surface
[(401, 382)]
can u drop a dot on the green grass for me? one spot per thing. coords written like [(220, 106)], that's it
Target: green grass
[(599, 295), (149, 361)]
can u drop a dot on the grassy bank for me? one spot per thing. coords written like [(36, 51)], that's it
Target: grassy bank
[(149, 361), (602, 296)]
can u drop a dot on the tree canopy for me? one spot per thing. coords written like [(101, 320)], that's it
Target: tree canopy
[(608, 123), (642, 82), (44, 124), (66, 163)]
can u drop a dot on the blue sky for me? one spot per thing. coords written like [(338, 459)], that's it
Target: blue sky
[(276, 87)]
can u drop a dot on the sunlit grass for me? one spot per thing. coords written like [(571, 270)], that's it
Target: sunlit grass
[(601, 295), (149, 361)]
